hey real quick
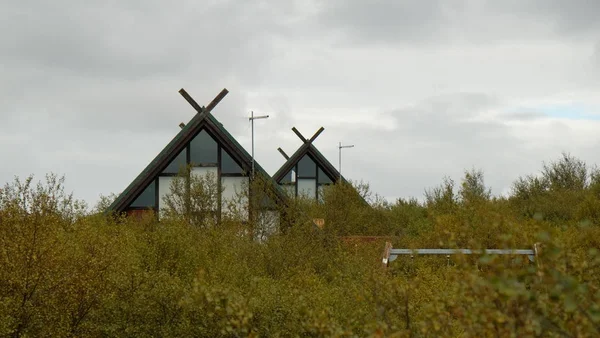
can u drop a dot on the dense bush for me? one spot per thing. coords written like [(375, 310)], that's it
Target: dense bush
[(68, 272)]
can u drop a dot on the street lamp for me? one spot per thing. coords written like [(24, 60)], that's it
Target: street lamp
[(340, 151), (251, 119)]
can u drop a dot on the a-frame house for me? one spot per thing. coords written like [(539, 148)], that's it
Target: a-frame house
[(206, 146), (307, 171)]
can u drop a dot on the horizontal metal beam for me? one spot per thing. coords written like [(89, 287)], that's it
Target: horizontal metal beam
[(393, 253), (462, 251)]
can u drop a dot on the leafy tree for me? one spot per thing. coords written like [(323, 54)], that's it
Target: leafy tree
[(409, 217), (556, 194), (105, 202), (42, 199), (568, 173), (473, 189), (441, 199), (66, 272), (193, 198)]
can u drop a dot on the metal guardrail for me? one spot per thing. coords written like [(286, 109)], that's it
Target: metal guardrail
[(390, 254)]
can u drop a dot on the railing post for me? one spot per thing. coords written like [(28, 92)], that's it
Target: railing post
[(386, 254)]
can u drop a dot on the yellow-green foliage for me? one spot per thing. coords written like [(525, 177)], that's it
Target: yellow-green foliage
[(64, 272)]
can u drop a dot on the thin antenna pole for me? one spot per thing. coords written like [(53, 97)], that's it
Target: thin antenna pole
[(252, 123), (252, 118), (340, 147)]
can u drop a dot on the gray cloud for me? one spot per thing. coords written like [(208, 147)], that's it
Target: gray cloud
[(90, 91), (125, 61), (444, 136), (436, 23), (132, 41), (572, 18), (523, 115), (596, 56), (387, 20)]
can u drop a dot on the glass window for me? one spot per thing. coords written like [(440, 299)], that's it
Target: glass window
[(177, 163), (205, 184), (204, 174), (288, 177), (323, 178), (321, 193), (147, 198), (307, 167), (307, 188), (234, 198), (228, 165), (203, 149), (164, 188), (234, 189)]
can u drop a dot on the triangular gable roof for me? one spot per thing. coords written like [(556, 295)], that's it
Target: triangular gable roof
[(202, 120), (320, 160), (308, 148)]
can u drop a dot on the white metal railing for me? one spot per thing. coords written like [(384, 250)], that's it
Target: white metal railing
[(390, 254)]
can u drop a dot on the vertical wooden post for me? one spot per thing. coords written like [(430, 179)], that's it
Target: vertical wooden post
[(386, 254)]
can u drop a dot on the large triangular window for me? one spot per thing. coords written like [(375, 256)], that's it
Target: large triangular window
[(228, 164), (147, 199), (177, 163), (307, 167), (323, 178), (203, 149), (288, 178)]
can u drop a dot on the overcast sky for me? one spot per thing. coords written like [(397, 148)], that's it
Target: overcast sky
[(423, 89)]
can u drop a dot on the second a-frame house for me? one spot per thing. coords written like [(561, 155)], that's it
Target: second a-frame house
[(206, 147), (307, 171)]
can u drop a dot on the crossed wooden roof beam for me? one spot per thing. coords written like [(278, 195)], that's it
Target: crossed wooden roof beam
[(202, 109), (307, 142)]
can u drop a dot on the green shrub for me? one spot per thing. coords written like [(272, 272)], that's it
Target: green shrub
[(67, 272)]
